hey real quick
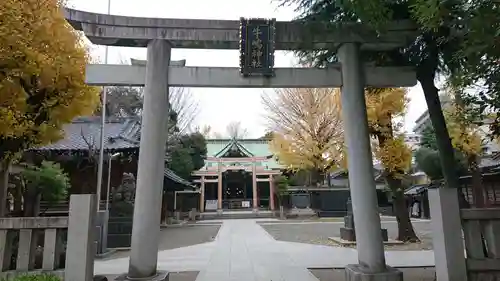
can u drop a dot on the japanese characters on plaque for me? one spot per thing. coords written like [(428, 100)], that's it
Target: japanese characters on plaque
[(257, 47)]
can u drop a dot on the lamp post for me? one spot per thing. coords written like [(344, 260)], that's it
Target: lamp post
[(111, 157), (103, 123)]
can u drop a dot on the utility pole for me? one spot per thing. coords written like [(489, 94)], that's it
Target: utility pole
[(103, 123), (103, 216)]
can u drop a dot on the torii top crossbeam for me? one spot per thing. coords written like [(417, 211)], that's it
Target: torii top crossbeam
[(112, 30)]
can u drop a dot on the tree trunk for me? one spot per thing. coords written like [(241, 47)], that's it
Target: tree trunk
[(18, 200), (445, 148), (406, 233), (4, 185), (317, 176), (282, 213), (164, 211), (279, 198), (32, 203), (479, 198)]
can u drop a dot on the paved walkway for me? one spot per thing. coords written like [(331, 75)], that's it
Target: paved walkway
[(244, 251)]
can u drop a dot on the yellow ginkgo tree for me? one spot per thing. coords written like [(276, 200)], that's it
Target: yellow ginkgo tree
[(467, 137), (307, 130), (42, 78), (384, 107), (308, 135)]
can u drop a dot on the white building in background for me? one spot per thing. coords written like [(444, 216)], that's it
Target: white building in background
[(490, 148), (425, 120), (421, 123), (412, 140)]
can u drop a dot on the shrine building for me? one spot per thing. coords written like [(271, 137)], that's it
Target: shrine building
[(238, 174)]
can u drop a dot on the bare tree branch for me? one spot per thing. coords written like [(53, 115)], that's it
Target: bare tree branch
[(206, 131), (93, 150), (125, 101), (236, 131), (186, 107), (122, 101), (217, 135)]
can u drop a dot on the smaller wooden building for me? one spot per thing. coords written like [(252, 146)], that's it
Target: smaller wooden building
[(78, 154)]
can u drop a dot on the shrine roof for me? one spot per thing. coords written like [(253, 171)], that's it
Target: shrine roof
[(84, 133), (251, 147), (121, 133), (174, 177), (248, 147)]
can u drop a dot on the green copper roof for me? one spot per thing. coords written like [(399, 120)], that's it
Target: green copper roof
[(234, 144), (251, 147), (256, 147)]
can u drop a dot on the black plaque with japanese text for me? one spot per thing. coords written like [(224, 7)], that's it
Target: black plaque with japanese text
[(257, 47)]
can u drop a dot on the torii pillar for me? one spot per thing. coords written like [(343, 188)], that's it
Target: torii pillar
[(361, 181), (147, 208)]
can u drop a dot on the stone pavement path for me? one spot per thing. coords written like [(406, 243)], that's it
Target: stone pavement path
[(243, 250), (246, 252)]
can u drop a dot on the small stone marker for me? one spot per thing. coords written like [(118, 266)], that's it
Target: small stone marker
[(348, 232)]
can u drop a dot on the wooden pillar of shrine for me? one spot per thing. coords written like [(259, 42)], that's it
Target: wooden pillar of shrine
[(202, 194), (219, 188), (254, 187), (271, 193)]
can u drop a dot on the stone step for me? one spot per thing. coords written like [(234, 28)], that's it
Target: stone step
[(236, 215)]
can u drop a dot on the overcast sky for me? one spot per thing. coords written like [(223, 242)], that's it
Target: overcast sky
[(218, 107)]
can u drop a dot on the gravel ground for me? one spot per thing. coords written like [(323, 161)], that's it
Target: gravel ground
[(409, 274), (327, 219), (318, 233), (172, 276), (183, 276), (176, 237)]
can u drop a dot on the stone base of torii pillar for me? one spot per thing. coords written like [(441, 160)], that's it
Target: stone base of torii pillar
[(357, 272), (159, 276)]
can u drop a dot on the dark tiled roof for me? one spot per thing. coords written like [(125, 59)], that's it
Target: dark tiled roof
[(489, 162), (377, 172), (416, 189), (173, 176), (496, 156), (121, 133), (84, 133)]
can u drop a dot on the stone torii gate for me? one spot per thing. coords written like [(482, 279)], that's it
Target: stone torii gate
[(157, 75)]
